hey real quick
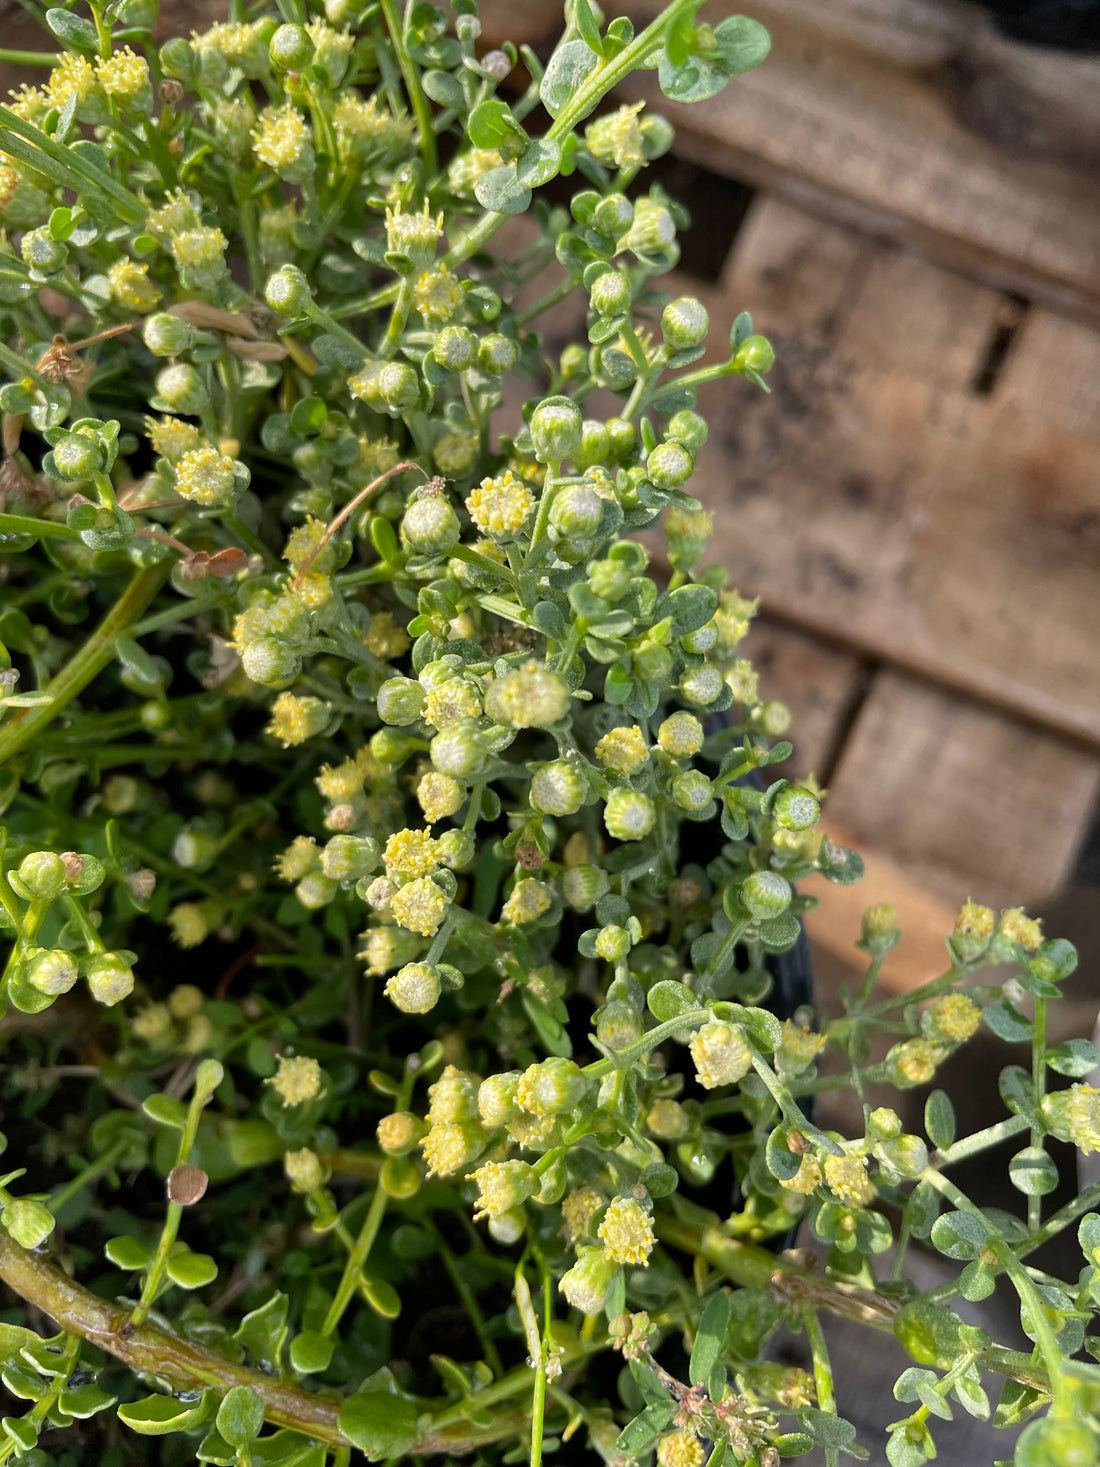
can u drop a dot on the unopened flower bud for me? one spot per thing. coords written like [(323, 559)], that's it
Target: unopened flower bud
[(667, 1120), (973, 930), (576, 511), (388, 387), (765, 894), (455, 348), (399, 1132), (582, 886), (619, 1023), (629, 814), (496, 354), (557, 789), (688, 428), (623, 749), (755, 352), (29, 1223), (182, 389), (110, 978), (701, 685), (291, 48), (914, 1061), (430, 525), (42, 253), (42, 874), (692, 790), (304, 1171), (287, 292), (528, 697), (610, 294), (508, 1227), (167, 336), (1073, 1115), (903, 1158), (556, 427), (52, 971), (587, 1284), (77, 457), (553, 1087), (796, 808)]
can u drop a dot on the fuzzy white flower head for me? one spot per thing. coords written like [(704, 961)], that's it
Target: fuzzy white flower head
[(414, 989), (297, 1079), (420, 906), (721, 1054)]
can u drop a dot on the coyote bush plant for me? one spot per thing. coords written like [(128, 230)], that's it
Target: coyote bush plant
[(392, 888)]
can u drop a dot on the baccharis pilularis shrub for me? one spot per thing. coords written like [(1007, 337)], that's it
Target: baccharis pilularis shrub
[(392, 877)]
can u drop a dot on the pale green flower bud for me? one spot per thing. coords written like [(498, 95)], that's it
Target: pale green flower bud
[(349, 857), (755, 352), (167, 336), (595, 444), (304, 1171), (701, 685), (684, 323), (400, 701), (30, 1223), (455, 348), (76, 457), (557, 789), (765, 894), (110, 978), (51, 970), (270, 662), (496, 1099), (629, 814), (182, 388), (880, 928), (458, 750), (796, 808), (290, 48), (670, 465), (692, 790), (613, 943), (551, 1088), (576, 511), (528, 697), (496, 354), (556, 426), (583, 886), (287, 292), (688, 428), (454, 1097), (42, 874), (457, 849), (508, 1227), (721, 1054), (619, 1024), (610, 294), (316, 891), (612, 216), (430, 525), (388, 387), (588, 1283), (42, 253)]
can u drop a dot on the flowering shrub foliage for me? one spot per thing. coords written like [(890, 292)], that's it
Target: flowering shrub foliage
[(388, 827)]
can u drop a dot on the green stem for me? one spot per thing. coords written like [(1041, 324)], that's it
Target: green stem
[(356, 1259), (623, 1057), (88, 1174), (1038, 1084), (411, 77), (22, 524), (86, 664), (823, 1373), (27, 58), (981, 1140)]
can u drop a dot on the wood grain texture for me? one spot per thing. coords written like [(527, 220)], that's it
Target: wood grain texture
[(967, 802), (876, 498)]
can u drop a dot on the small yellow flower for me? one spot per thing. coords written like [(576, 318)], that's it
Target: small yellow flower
[(846, 1177), (800, 1043), (681, 735), (1017, 926), (623, 749), (450, 702), (627, 1232), (528, 901), (616, 139), (420, 906), (131, 287), (300, 857), (974, 920), (667, 1119), (172, 437), (449, 1146), (342, 782), (152, 1022), (437, 295), (205, 476), (577, 1210), (385, 638), (502, 1185), (188, 923), (411, 853), (681, 1449), (732, 620), (1074, 1115), (281, 141), (185, 1001), (742, 679), (297, 1079), (72, 76), (399, 1132), (914, 1061), (294, 720), (439, 795), (807, 1178), (303, 1170), (178, 213), (386, 948), (500, 507), (954, 1017), (125, 76), (721, 1054), (199, 248), (528, 697)]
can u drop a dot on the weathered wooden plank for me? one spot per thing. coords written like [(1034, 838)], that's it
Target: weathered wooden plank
[(875, 498), (1052, 371), (965, 800), (816, 682), (909, 118)]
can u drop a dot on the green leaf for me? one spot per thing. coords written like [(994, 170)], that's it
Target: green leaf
[(1014, 1084), (779, 934), (669, 999), (539, 163), (1017, 1403), (214, 1448), (192, 1270), (501, 191), (1007, 1022), (585, 22), (490, 123), (379, 1424), (710, 1338), (159, 1415), (1033, 1172), (382, 1297), (781, 1160), (939, 1119), (21, 1431), (1076, 1058), (740, 331), (826, 1429), (166, 1110), (72, 30), (638, 1434), (690, 608), (310, 1352), (127, 1253), (842, 867), (23, 1382), (240, 1417), (958, 1234), (263, 1331), (569, 68), (84, 1400), (741, 44), (550, 620), (443, 88)]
